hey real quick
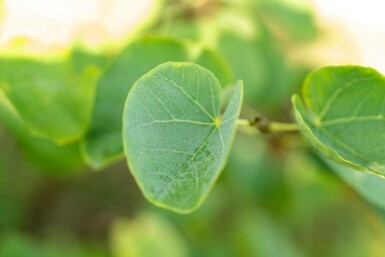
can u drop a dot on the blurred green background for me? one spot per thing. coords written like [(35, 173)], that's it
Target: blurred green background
[(276, 197)]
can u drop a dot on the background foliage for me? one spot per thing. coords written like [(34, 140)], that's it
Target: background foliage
[(274, 198)]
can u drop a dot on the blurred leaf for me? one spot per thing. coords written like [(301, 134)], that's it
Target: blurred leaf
[(246, 61), (183, 141), (147, 235), (259, 235), (180, 29), (58, 159), (49, 97), (268, 77), (18, 245), (55, 158), (343, 116), (369, 186), (83, 60), (103, 142), (282, 78), (296, 19), (316, 195), (214, 62), (258, 170)]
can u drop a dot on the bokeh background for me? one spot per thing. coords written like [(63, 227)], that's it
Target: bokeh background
[(276, 197)]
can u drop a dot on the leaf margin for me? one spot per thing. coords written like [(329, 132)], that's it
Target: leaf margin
[(303, 108)]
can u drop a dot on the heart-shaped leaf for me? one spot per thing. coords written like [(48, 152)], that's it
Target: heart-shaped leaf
[(344, 116), (175, 140), (103, 143)]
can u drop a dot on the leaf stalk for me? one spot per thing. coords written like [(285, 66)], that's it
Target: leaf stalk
[(265, 126)]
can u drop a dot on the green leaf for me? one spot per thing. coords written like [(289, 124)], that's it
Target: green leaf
[(344, 116), (175, 140), (49, 96), (103, 143)]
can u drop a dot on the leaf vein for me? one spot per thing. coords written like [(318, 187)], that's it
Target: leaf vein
[(165, 150), (178, 121), (343, 120), (196, 152), (363, 101), (195, 176), (341, 143), (336, 93), (188, 96), (160, 101)]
